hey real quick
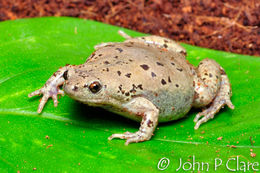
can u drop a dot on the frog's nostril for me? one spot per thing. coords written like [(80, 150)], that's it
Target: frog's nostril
[(75, 88), (65, 75)]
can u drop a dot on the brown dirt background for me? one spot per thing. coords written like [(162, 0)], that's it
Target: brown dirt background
[(229, 25)]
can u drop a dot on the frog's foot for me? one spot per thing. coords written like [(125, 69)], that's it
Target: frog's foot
[(222, 99), (47, 92), (107, 44), (146, 110), (138, 136), (51, 88), (123, 34), (98, 46)]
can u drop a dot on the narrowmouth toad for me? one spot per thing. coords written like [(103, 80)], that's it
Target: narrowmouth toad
[(146, 79)]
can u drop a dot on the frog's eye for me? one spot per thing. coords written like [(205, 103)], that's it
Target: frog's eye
[(94, 87)]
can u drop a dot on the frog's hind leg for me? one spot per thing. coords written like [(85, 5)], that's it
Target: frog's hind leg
[(156, 41), (212, 88), (111, 44), (108, 44)]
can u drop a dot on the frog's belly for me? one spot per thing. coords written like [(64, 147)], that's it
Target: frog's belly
[(173, 106)]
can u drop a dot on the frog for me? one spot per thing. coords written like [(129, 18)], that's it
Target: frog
[(147, 79)]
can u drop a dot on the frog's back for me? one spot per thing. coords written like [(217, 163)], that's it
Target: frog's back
[(161, 76)]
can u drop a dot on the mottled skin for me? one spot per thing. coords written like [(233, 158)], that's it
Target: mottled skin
[(146, 79)]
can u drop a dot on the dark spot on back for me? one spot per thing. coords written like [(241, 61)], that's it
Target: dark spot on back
[(119, 73), (169, 79), (140, 86), (210, 75), (159, 63), (106, 62), (172, 63), (180, 69), (116, 57), (127, 94), (177, 85), (128, 75), (132, 90), (153, 74), (163, 81), (165, 45), (145, 67), (100, 55), (119, 49)]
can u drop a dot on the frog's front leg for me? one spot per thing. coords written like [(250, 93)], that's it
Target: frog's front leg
[(212, 88), (149, 113), (51, 87)]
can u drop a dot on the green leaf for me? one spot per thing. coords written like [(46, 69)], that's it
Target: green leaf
[(32, 49)]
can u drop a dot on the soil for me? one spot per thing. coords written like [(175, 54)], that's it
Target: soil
[(229, 25)]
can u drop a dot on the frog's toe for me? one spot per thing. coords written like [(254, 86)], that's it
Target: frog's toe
[(61, 92), (198, 116), (207, 115), (121, 136), (229, 104), (123, 34), (55, 100), (130, 137), (37, 92), (43, 101)]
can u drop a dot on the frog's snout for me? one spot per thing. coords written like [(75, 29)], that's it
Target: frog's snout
[(81, 85)]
